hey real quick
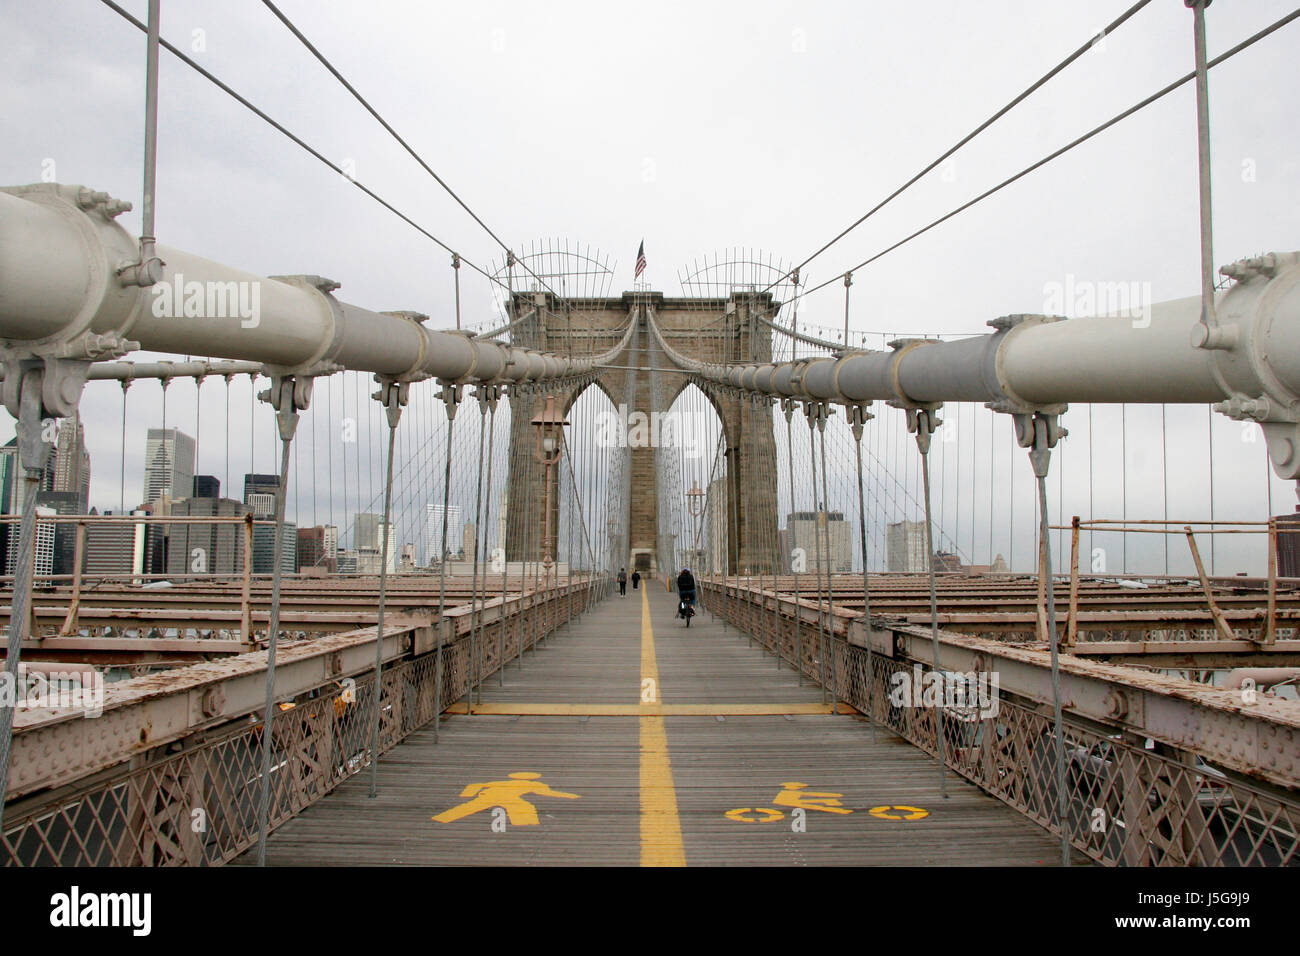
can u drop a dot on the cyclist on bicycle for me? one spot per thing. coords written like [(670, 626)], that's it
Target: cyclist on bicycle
[(686, 592)]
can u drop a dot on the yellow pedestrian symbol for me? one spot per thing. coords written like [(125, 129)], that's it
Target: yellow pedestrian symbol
[(899, 813), (794, 795), (507, 794)]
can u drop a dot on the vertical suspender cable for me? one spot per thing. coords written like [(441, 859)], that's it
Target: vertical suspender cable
[(1040, 457), (450, 396), (287, 417), (924, 423), (787, 406), (33, 453), (391, 395), (821, 607), (474, 592), (828, 664), (859, 416)]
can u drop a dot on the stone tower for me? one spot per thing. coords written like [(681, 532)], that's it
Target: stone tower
[(709, 329)]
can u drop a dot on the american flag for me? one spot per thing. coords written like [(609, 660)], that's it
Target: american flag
[(640, 260)]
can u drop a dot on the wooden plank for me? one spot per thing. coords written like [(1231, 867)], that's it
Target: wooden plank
[(570, 714)]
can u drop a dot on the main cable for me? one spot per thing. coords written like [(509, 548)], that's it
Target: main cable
[(1250, 41), (402, 142), (1039, 83), (242, 101)]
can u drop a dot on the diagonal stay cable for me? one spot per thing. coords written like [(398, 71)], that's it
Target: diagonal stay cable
[(1159, 94), (402, 142), (410, 150), (1039, 83), (296, 139)]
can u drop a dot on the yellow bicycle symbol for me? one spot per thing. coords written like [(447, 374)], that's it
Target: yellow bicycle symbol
[(903, 813), (762, 815)]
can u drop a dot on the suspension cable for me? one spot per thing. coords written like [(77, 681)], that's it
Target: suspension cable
[(242, 101), (1142, 104), (1040, 82)]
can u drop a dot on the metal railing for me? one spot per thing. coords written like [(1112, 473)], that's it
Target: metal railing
[(193, 801), (1131, 801)]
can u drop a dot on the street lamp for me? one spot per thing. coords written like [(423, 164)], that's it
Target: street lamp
[(550, 441), (695, 505)]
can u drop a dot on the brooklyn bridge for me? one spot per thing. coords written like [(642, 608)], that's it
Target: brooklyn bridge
[(346, 583)]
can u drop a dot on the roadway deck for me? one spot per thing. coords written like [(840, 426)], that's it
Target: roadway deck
[(655, 782)]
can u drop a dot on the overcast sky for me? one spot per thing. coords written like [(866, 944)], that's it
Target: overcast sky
[(694, 126)]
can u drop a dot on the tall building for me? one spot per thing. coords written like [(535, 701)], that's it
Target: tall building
[(65, 535), (115, 548), (368, 537), (207, 548), (433, 531), (13, 489), (815, 532), (206, 486), (406, 563), (168, 465), (317, 548), (42, 547), (469, 543), (264, 548), (72, 463), (259, 494), (365, 530), (905, 547)]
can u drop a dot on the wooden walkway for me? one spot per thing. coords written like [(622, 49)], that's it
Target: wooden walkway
[(664, 773)]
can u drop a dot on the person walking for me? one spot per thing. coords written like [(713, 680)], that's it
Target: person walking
[(636, 580), (622, 582)]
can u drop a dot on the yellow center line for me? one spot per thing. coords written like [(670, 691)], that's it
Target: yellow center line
[(661, 830), (547, 709)]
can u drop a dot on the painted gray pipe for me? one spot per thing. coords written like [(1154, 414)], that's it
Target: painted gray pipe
[(60, 250), (131, 371), (1041, 363)]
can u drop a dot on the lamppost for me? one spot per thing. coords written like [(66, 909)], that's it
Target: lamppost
[(695, 505), (550, 441)]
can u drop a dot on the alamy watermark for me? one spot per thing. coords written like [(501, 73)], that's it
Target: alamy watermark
[(212, 299), (1077, 297), (967, 695), (65, 690), (621, 429)]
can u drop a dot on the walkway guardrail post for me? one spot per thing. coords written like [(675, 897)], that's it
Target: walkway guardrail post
[(78, 561), (246, 584)]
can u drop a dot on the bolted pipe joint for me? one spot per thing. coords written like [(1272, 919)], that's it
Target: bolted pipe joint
[(288, 395), (393, 395), (921, 422), (1039, 432)]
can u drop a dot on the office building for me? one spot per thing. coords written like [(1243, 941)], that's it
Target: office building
[(169, 465), (264, 548), (72, 463), (816, 532), (116, 547), (207, 548), (259, 494), (905, 547), (433, 531)]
